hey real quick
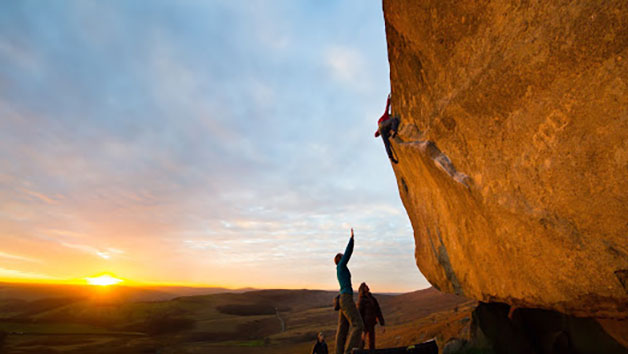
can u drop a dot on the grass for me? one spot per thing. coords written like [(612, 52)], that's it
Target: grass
[(116, 326), (248, 343), (440, 325), (53, 328)]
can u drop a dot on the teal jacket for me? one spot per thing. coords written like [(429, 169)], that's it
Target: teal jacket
[(343, 273)]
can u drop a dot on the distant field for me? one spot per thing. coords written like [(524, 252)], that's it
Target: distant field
[(56, 328), (227, 323)]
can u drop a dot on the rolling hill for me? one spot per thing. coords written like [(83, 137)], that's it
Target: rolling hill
[(260, 321)]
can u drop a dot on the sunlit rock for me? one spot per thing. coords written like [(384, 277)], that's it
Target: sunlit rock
[(513, 148)]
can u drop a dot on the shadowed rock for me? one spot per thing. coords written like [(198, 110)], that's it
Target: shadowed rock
[(534, 331)]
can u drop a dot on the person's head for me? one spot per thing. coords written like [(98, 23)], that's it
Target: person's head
[(338, 258), (363, 289), (321, 336)]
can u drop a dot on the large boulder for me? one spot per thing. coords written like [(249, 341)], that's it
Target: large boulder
[(513, 148)]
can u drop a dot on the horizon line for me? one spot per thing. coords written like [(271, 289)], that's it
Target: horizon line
[(135, 284)]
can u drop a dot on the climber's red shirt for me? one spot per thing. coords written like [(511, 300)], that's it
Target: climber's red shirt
[(384, 117)]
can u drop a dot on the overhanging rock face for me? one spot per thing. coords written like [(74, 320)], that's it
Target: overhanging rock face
[(513, 148)]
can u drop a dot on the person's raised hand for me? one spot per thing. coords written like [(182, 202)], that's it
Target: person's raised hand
[(351, 232)]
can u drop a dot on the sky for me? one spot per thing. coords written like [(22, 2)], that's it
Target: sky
[(217, 143)]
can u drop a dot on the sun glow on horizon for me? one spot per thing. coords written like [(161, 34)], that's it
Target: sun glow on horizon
[(103, 280)]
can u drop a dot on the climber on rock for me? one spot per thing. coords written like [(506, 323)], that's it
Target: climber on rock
[(348, 314), (387, 128)]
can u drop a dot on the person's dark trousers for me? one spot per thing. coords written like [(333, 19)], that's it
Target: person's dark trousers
[(385, 128), (370, 334)]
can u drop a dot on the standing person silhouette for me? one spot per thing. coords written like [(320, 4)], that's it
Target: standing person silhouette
[(371, 314), (348, 314), (320, 347)]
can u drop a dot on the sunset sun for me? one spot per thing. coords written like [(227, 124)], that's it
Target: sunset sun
[(103, 280)]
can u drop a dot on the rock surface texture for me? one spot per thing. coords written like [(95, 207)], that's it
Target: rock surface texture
[(513, 148)]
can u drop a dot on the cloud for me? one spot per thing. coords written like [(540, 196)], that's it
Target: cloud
[(67, 233), (14, 273), (18, 53), (348, 66), (266, 22), (39, 196), (263, 94), (106, 253), (18, 257), (83, 248)]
